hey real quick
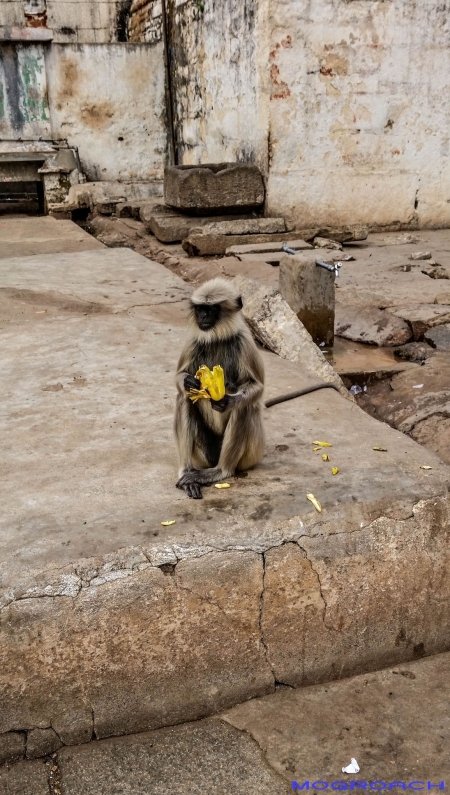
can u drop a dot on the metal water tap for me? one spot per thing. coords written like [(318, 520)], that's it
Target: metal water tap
[(332, 268), (288, 250)]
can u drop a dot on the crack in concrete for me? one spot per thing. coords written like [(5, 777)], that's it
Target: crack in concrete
[(153, 303), (264, 645), (172, 554), (261, 749), (314, 571), (54, 775), (409, 429)]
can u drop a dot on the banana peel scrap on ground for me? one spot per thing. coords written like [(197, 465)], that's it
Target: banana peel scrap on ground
[(170, 522), (334, 471), (380, 449), (315, 502), (212, 384), (222, 485), (325, 457), (323, 444)]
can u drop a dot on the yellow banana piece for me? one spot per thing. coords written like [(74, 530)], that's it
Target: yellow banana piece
[(315, 502), (323, 444), (212, 384)]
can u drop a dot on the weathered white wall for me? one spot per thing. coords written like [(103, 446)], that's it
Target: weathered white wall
[(219, 105), (344, 104), (357, 128), (79, 21), (360, 111), (11, 13), (108, 100)]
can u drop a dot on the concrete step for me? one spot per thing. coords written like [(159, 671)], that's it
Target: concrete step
[(274, 744), (171, 226), (210, 245), (261, 249), (131, 625)]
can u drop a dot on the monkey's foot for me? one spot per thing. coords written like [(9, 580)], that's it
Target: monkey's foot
[(192, 490), (201, 477)]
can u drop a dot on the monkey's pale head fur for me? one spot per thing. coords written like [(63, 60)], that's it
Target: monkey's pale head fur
[(220, 293)]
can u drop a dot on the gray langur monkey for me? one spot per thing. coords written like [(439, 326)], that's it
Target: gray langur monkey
[(216, 438)]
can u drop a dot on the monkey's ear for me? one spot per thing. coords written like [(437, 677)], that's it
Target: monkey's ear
[(239, 303)]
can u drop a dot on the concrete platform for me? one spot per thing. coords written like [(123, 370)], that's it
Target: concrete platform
[(111, 623), (21, 236)]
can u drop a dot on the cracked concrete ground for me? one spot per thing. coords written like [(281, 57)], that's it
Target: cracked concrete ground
[(132, 626), (395, 722)]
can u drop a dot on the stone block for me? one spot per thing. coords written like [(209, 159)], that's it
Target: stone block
[(208, 756), (421, 317), (200, 189), (170, 226), (318, 591), (370, 325), (251, 226), (414, 351), (148, 210), (107, 207), (202, 245), (325, 242), (344, 234), (130, 209), (276, 326), (41, 742), (12, 746), (263, 248), (185, 643), (439, 337), (309, 291)]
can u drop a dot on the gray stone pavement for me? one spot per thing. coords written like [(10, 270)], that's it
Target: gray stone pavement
[(21, 236), (395, 722), (111, 623)]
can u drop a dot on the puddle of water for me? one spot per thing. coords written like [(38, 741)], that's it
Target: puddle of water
[(354, 358)]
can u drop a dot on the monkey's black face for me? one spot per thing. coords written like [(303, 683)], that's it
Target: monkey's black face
[(207, 315)]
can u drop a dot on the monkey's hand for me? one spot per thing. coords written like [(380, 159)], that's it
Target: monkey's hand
[(201, 477), (193, 490), (227, 402), (191, 382), (221, 405)]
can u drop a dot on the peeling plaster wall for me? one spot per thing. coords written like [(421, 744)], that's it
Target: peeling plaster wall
[(105, 90), (342, 103), (219, 105), (359, 111), (346, 99), (82, 21), (109, 102)]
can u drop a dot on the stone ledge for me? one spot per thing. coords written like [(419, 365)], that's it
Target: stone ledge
[(25, 34)]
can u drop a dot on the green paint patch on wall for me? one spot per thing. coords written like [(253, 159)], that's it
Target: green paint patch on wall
[(34, 99)]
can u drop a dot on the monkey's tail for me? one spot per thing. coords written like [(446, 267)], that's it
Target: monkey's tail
[(298, 393)]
